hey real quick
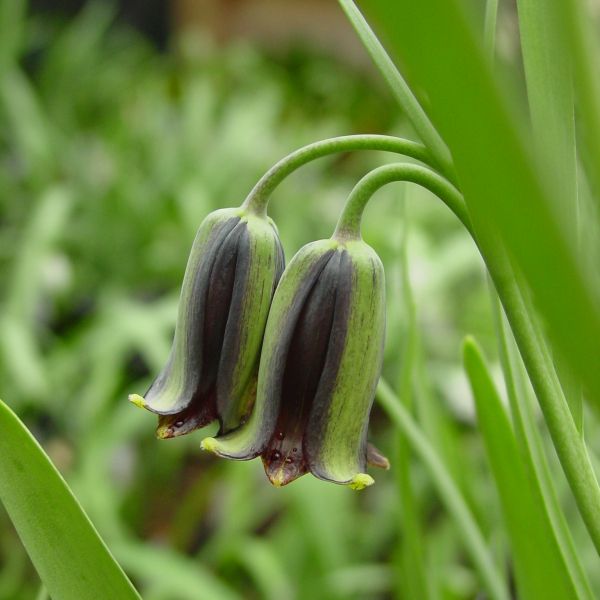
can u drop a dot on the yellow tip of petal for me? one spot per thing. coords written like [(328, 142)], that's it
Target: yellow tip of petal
[(164, 432), (137, 400), (209, 444), (278, 480), (361, 481)]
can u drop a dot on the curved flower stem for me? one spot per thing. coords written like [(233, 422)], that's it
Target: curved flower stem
[(569, 445), (348, 225), (258, 198), (447, 489)]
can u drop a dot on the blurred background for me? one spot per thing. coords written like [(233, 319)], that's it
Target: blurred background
[(121, 126)]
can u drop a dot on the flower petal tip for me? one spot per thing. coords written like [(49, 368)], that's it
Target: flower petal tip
[(164, 432), (210, 445), (375, 458), (281, 477), (137, 400), (361, 481), (278, 479)]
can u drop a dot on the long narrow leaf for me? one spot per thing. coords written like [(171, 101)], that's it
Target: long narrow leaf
[(66, 550), (539, 565), (411, 576), (501, 184), (550, 95), (582, 46), (402, 92), (448, 491), (531, 447)]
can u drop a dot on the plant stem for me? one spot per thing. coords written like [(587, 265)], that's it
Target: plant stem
[(403, 94), (530, 444), (569, 445), (448, 491), (258, 198), (567, 441), (348, 225)]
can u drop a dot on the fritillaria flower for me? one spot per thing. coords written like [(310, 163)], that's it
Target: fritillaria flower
[(320, 363), (234, 266)]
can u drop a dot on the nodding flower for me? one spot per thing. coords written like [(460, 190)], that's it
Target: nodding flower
[(232, 272), (319, 367)]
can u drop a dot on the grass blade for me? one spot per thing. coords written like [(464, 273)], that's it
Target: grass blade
[(539, 565), (550, 95), (531, 448), (582, 47), (411, 579), (403, 94), (548, 76), (489, 28), (66, 550), (12, 22), (448, 491), (179, 576), (501, 184)]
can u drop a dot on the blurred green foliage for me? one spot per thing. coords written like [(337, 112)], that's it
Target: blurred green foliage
[(110, 156)]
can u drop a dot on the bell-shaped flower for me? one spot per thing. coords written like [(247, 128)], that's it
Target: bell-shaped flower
[(319, 367), (232, 272)]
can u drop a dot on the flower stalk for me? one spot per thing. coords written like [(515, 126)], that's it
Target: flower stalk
[(258, 198), (569, 445)]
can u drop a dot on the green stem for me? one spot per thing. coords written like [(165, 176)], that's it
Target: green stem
[(566, 438), (400, 89), (567, 441), (348, 225), (530, 444), (258, 199), (569, 445), (447, 489)]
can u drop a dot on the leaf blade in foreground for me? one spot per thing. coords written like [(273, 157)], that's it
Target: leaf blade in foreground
[(70, 557), (539, 565)]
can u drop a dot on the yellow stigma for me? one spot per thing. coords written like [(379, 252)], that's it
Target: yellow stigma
[(137, 400), (361, 481)]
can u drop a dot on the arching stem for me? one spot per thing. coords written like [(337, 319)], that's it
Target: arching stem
[(569, 445), (258, 199), (348, 225)]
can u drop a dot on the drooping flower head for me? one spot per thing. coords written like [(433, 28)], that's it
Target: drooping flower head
[(233, 268), (319, 367)]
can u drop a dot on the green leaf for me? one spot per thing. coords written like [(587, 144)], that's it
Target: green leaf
[(531, 446), (164, 570), (402, 92), (539, 564), (448, 491), (548, 75), (550, 96), (489, 28), (502, 186), (582, 47), (70, 557), (411, 579), (12, 24)]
